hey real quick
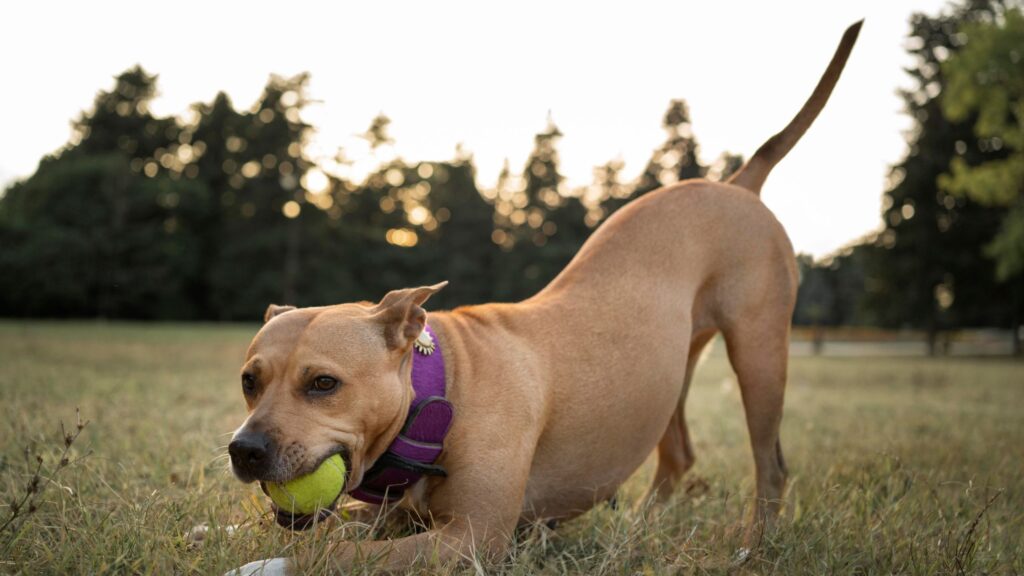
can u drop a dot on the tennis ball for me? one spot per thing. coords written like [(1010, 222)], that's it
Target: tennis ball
[(307, 494)]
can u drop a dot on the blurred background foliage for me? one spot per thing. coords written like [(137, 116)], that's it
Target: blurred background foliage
[(217, 213), (932, 266)]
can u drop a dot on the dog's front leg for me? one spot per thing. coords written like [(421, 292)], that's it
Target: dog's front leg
[(477, 512), (457, 541)]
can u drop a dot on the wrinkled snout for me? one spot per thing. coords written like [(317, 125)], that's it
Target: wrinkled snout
[(250, 455)]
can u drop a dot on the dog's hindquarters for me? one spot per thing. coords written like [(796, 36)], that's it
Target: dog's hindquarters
[(711, 258), (757, 334)]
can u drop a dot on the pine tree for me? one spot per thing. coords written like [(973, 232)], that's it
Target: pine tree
[(263, 207), (675, 160)]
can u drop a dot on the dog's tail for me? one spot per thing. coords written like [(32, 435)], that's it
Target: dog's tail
[(753, 174)]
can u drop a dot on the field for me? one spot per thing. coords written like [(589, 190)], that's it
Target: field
[(898, 465)]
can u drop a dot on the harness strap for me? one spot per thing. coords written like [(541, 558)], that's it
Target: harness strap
[(417, 447)]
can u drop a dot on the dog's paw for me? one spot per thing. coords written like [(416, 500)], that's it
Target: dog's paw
[(270, 567)]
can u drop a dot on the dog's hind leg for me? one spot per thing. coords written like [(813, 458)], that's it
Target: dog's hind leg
[(758, 351), (675, 450)]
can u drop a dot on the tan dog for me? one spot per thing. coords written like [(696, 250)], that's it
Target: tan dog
[(560, 398)]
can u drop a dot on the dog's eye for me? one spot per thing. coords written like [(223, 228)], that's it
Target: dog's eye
[(323, 385), (248, 384)]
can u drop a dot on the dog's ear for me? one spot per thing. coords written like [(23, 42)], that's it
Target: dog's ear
[(401, 313), (274, 310)]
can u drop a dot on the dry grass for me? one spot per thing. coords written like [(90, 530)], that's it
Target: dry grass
[(898, 466)]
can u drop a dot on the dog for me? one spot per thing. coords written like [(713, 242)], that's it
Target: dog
[(556, 400)]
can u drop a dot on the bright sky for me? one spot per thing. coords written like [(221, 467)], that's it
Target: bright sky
[(486, 75)]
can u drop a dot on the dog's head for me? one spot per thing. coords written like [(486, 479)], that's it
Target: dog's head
[(324, 381)]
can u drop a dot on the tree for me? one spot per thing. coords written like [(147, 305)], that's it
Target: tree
[(832, 290), (264, 211), (927, 273), (120, 121), (986, 84), (986, 81), (105, 226), (465, 252), (725, 166), (675, 160), (815, 298), (542, 224)]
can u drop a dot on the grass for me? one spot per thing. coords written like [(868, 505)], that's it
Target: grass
[(911, 466)]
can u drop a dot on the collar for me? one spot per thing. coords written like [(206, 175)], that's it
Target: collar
[(413, 452)]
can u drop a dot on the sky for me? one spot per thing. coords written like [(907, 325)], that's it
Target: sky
[(486, 75)]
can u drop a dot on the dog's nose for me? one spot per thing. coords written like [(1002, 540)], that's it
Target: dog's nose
[(250, 452)]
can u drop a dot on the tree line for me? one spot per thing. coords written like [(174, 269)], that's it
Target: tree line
[(214, 214)]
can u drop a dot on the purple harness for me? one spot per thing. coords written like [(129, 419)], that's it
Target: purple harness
[(413, 452)]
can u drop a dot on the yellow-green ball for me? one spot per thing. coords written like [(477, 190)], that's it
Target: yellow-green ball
[(307, 494)]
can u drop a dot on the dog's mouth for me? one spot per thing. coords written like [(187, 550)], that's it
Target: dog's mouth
[(298, 521)]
